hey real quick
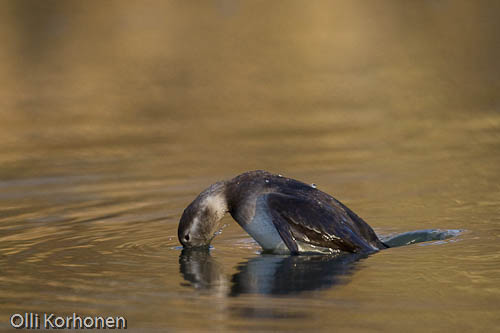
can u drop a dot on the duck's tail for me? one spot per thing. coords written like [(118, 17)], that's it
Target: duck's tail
[(419, 236)]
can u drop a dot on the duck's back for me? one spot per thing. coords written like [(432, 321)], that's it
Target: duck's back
[(301, 214)]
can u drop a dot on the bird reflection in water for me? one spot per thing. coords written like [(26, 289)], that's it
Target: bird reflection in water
[(202, 271), (267, 274)]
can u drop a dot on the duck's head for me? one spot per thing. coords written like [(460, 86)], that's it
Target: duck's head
[(200, 219)]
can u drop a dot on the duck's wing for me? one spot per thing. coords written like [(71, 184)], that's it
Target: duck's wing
[(313, 222)]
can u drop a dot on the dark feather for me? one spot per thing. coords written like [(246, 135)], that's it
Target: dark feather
[(313, 222), (300, 213)]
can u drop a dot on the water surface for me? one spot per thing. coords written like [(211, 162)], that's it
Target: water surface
[(114, 116)]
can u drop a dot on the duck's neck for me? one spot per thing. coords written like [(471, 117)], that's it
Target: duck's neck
[(215, 199)]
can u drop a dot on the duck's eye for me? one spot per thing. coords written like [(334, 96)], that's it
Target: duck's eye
[(186, 237)]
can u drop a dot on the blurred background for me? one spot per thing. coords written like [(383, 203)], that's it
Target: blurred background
[(115, 114), (223, 87)]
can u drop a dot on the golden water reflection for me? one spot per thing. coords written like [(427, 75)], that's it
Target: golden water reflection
[(114, 115)]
